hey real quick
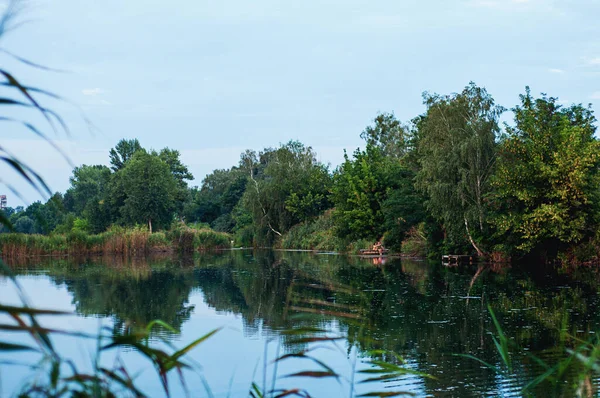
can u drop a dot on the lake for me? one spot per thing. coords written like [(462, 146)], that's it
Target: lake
[(424, 313)]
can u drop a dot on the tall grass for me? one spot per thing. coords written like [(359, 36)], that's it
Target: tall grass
[(115, 241)]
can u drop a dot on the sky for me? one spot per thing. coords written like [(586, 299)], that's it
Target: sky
[(213, 78)]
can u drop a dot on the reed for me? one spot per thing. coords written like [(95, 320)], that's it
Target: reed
[(116, 241)]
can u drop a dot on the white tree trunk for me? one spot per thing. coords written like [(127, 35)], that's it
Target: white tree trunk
[(479, 252)]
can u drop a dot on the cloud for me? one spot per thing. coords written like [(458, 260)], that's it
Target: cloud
[(595, 96), (594, 61), (555, 70), (92, 91)]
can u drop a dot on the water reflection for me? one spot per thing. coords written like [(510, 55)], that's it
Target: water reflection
[(426, 313)]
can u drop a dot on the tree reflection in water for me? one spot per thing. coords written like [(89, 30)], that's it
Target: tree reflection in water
[(424, 312)]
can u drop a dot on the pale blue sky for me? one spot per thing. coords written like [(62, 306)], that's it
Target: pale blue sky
[(212, 78)]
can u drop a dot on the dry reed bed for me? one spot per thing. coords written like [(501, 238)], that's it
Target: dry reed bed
[(117, 241)]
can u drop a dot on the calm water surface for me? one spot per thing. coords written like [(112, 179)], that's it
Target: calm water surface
[(425, 313)]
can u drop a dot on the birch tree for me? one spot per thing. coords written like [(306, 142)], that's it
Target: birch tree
[(456, 147)]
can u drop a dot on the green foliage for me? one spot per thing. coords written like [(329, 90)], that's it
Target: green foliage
[(81, 225), (360, 244), (402, 209), (24, 225), (88, 184), (415, 244), (373, 197), (389, 135), (446, 183), (456, 150), (214, 202), (149, 191), (117, 240), (181, 174), (158, 241), (547, 184), (318, 234), (286, 185), (186, 239), (123, 152), (359, 190), (37, 217)]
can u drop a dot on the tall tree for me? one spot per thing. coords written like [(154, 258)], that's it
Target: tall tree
[(214, 202), (122, 152), (359, 190), (172, 158), (88, 183), (373, 197), (149, 188), (547, 183), (181, 173), (286, 185), (388, 134), (456, 144)]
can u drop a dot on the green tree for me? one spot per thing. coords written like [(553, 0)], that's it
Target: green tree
[(181, 173), (148, 188), (388, 134), (403, 206), (358, 192), (24, 224), (286, 185), (214, 202), (88, 196), (547, 183), (88, 184), (172, 158), (122, 152), (373, 197), (456, 152), (38, 217), (49, 215)]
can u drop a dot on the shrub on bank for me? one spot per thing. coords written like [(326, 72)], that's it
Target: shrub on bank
[(361, 244), (313, 235), (415, 244)]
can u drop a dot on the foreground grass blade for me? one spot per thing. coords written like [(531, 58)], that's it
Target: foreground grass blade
[(388, 394), (193, 344), (15, 347)]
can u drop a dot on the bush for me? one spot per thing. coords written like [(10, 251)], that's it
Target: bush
[(244, 237), (415, 245), (313, 235), (361, 244)]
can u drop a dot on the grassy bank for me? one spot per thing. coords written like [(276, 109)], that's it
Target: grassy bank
[(115, 241)]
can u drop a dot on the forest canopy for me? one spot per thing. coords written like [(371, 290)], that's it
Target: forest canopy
[(452, 180)]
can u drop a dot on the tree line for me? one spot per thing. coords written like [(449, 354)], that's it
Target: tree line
[(453, 179)]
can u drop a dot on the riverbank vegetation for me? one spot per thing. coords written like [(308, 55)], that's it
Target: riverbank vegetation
[(114, 241), (452, 180)]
